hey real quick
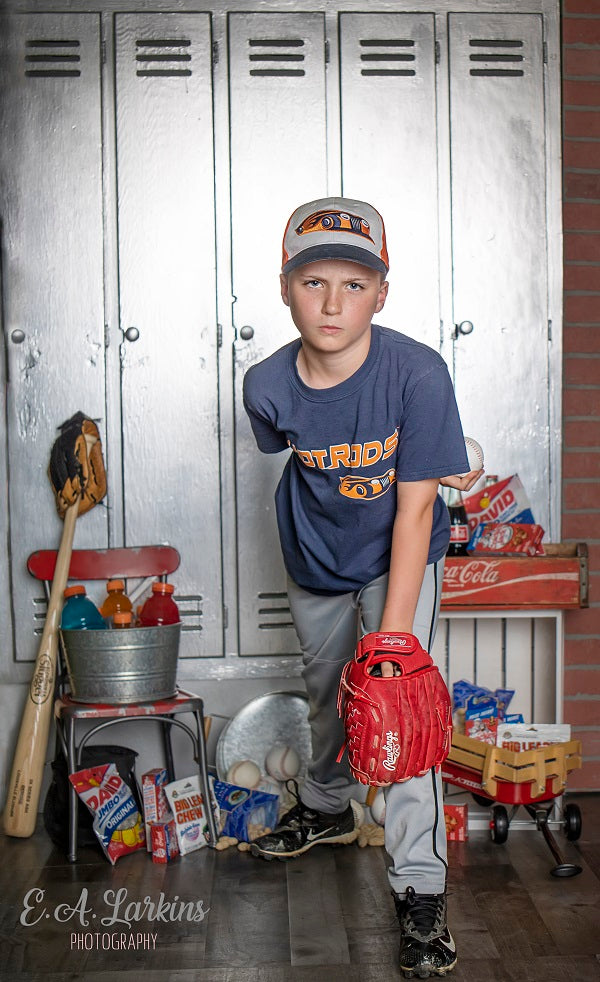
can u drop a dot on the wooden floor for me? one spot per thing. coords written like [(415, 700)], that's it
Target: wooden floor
[(325, 917)]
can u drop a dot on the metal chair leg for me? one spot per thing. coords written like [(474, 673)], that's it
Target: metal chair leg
[(203, 773), (73, 799)]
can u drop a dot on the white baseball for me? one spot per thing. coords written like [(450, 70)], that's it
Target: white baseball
[(359, 813), (282, 763), (244, 774), (474, 455), (378, 807)]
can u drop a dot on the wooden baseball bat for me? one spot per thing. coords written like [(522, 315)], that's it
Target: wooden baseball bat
[(20, 812)]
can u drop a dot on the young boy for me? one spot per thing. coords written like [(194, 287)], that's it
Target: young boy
[(371, 419)]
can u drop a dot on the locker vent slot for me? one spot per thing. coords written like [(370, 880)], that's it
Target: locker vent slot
[(190, 611), (274, 606), (163, 58), (53, 59), (386, 57), (274, 52), (495, 56)]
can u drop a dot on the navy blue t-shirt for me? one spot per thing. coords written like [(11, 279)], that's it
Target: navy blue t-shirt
[(395, 419)]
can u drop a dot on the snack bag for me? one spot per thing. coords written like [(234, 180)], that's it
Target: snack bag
[(117, 821), (189, 810), (245, 814), (530, 736), (505, 501)]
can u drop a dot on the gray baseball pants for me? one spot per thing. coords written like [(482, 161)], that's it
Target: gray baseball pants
[(328, 628)]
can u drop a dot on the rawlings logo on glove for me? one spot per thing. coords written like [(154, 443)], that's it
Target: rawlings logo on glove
[(398, 727)]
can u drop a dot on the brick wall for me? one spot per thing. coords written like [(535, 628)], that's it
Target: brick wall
[(581, 386)]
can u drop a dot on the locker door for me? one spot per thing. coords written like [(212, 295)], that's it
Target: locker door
[(165, 178), (499, 243), (51, 208), (278, 160), (389, 154)]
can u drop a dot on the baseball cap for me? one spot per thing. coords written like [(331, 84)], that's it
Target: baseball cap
[(335, 228)]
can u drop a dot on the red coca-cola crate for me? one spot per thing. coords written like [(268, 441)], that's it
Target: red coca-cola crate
[(556, 580)]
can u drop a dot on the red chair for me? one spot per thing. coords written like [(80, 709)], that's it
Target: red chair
[(139, 562)]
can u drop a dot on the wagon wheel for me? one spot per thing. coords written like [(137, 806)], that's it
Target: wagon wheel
[(499, 824), (572, 822)]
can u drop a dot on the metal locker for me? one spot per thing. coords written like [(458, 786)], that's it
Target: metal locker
[(167, 274), (52, 245), (389, 154), (278, 160), (499, 247)]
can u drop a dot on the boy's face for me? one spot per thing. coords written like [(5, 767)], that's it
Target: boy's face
[(332, 302)]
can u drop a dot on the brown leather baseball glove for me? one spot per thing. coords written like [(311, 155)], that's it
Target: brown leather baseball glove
[(76, 468), (398, 727)]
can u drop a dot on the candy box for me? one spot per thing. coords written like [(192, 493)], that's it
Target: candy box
[(484, 729), (456, 819), (505, 501), (163, 840), (507, 538), (530, 736), (190, 812), (244, 814), (154, 798)]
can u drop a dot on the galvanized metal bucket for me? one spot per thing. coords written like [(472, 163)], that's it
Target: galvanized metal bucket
[(122, 666)]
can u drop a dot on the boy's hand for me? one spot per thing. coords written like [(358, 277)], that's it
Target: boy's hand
[(462, 482)]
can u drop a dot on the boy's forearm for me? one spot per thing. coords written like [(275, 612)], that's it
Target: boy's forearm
[(410, 547)]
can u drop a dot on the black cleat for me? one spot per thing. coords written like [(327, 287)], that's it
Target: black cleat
[(302, 828), (427, 948)]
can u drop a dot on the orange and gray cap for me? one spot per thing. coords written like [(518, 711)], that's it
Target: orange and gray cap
[(335, 228)]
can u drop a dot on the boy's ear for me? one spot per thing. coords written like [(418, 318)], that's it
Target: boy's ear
[(382, 296), (283, 280)]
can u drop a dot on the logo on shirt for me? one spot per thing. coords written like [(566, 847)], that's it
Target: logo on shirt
[(367, 487)]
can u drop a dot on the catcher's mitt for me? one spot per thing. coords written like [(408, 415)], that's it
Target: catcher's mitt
[(76, 468), (398, 727)]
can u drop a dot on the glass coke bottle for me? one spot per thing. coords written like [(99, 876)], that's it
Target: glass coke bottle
[(459, 525)]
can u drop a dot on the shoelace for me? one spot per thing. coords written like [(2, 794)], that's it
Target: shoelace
[(299, 811), (425, 911)]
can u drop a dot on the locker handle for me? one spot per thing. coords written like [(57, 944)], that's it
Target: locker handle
[(465, 327), (17, 336), (132, 334), (247, 332)]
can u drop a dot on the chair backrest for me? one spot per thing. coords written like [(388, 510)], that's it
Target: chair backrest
[(107, 564)]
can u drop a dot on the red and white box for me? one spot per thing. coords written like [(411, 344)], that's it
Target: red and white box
[(482, 728), (163, 840), (156, 805), (507, 538), (456, 818)]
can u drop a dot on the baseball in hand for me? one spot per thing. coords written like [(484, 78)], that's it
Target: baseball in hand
[(474, 454), (282, 763), (378, 807), (244, 774)]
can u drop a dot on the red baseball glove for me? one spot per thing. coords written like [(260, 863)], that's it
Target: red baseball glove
[(398, 727)]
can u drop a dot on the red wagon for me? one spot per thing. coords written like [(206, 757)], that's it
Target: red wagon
[(532, 779)]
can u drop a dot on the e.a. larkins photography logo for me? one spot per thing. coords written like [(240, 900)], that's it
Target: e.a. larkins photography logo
[(120, 913), (392, 749)]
